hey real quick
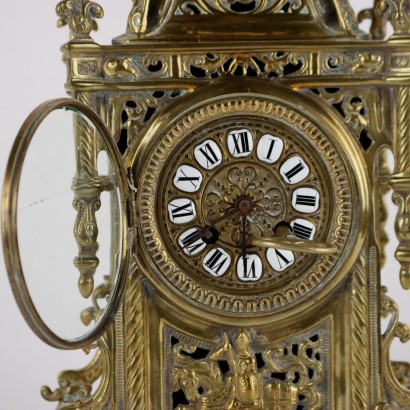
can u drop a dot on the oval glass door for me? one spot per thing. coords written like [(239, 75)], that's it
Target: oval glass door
[(64, 223)]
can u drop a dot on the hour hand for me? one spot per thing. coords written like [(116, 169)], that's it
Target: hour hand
[(296, 244), (209, 235)]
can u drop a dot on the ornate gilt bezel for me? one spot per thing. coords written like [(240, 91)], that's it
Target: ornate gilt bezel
[(151, 154)]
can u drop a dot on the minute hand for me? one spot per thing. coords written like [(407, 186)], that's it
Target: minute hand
[(295, 244)]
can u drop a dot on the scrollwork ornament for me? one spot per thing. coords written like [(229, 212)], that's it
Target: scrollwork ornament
[(367, 63), (379, 22), (247, 385), (266, 65), (399, 392), (240, 6), (353, 106), (398, 12), (75, 391), (80, 16), (136, 20)]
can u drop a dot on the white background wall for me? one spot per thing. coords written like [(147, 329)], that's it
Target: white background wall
[(31, 72)]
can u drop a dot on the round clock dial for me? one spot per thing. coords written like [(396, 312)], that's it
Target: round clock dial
[(233, 182), (246, 203)]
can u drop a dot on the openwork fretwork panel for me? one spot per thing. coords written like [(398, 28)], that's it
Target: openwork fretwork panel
[(242, 368)]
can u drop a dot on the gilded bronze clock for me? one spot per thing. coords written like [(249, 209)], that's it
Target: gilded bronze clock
[(238, 151)]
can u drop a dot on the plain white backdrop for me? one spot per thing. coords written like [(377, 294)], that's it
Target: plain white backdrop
[(31, 71)]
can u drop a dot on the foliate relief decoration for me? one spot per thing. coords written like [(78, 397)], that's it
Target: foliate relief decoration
[(80, 16), (134, 342), (354, 109), (192, 7), (136, 111), (379, 21), (398, 12), (241, 369), (268, 65), (254, 182), (207, 295), (76, 386), (398, 392), (143, 66), (360, 336), (339, 63)]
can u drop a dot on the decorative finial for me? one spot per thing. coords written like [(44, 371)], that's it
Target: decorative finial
[(80, 16)]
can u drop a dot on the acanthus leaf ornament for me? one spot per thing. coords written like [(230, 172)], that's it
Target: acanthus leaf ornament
[(80, 16), (76, 387)]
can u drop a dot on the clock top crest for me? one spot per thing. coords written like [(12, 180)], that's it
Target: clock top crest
[(241, 208), (239, 20)]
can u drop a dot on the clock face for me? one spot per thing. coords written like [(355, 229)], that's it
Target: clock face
[(237, 180), (229, 195)]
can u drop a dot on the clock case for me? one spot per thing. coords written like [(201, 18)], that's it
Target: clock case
[(330, 355)]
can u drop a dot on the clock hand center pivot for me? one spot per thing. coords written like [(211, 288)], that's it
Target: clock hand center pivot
[(244, 205)]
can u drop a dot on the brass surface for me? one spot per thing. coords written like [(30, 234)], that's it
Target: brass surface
[(190, 71)]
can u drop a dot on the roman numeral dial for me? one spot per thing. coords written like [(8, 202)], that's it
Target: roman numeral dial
[(228, 190), (246, 203)]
